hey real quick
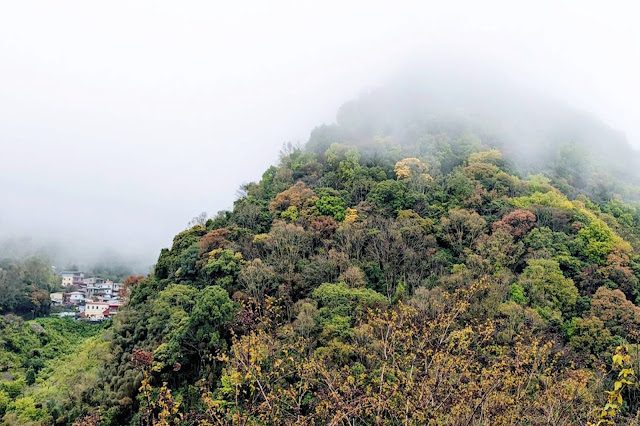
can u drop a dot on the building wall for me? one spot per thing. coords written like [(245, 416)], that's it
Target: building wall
[(94, 311), (72, 278), (76, 298), (57, 298)]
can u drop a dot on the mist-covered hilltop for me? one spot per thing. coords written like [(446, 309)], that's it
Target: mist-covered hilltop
[(427, 259), (536, 134)]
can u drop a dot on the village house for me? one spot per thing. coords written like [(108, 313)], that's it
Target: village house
[(57, 299), (75, 297), (90, 292), (106, 288), (95, 311), (98, 311), (93, 281), (103, 291), (70, 278)]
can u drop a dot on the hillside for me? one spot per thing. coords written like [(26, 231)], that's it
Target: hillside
[(34, 355), (399, 269)]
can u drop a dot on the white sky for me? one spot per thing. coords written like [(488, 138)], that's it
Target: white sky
[(121, 120)]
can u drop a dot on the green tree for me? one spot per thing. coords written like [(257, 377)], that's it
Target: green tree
[(392, 196), (590, 336), (223, 266), (4, 401), (290, 214), (30, 377), (516, 293), (331, 206), (26, 411), (546, 286), (600, 240), (203, 332)]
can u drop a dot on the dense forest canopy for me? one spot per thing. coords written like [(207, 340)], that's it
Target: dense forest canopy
[(416, 262)]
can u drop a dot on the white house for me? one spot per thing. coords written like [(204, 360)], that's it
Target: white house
[(75, 297), (57, 299), (95, 311), (106, 289)]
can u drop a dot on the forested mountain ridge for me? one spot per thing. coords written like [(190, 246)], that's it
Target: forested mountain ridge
[(400, 272)]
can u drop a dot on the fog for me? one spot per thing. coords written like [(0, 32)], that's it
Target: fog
[(121, 120)]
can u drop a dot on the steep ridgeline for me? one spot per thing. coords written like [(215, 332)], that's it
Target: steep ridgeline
[(363, 281)]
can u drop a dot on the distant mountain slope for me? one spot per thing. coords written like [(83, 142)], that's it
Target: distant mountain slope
[(403, 268)]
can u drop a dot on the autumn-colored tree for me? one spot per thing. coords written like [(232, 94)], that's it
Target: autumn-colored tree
[(517, 223), (324, 226), (297, 196), (353, 276), (619, 314), (500, 249), (414, 172), (618, 270), (129, 283), (158, 406), (288, 244), (624, 378), (491, 156), (216, 239)]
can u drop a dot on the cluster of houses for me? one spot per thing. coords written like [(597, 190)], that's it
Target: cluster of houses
[(94, 299)]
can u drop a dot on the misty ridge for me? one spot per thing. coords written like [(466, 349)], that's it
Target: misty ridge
[(532, 130), (425, 105)]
